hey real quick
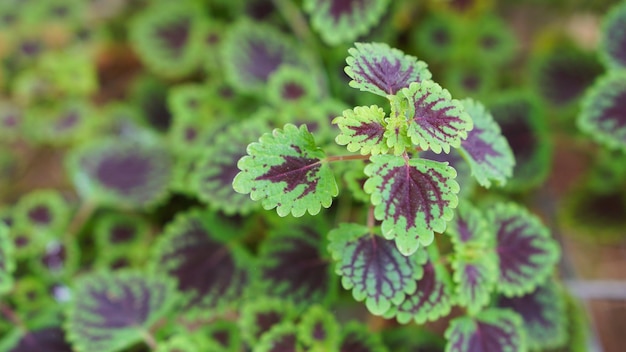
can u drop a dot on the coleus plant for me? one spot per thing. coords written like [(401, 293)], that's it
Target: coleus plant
[(155, 251), (396, 261)]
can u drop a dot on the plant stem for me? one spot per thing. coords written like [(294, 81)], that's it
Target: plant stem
[(296, 21), (9, 313), (149, 339), (80, 218), (334, 158), (371, 220)]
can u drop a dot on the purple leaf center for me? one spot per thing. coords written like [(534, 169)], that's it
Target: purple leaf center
[(40, 215)]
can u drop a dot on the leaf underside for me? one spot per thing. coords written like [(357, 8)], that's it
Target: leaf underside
[(371, 267), (286, 170), (413, 198), (379, 69)]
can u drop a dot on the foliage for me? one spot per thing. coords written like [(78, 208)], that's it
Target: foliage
[(315, 175)]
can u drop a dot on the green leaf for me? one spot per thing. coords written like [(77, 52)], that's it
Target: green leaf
[(112, 311), (363, 129), (357, 337), (342, 21), (225, 333), (476, 277), (121, 173), (168, 38), (197, 250), (613, 37), (281, 337), (379, 69), (602, 113), (217, 167), (435, 120), (413, 198), (371, 267), (43, 210), (475, 264), (293, 264), (543, 315), (292, 85), (490, 330), (259, 315), (287, 171), (7, 260), (485, 148), (318, 330), (527, 253), (252, 51), (432, 299)]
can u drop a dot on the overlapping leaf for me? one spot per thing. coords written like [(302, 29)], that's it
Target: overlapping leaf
[(217, 167), (363, 130), (475, 263), (562, 75), (379, 69), (603, 110), (49, 339), (543, 314), (112, 311), (613, 40), (253, 51), (341, 21), (7, 260), (487, 151), (44, 210), (281, 337), (168, 38), (371, 267), (490, 330), (318, 329), (210, 272), (292, 85), (492, 41), (286, 170), (435, 120), (475, 277), (260, 315), (431, 300), (226, 334), (523, 124), (357, 337), (414, 198), (121, 173), (292, 265), (526, 251)]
